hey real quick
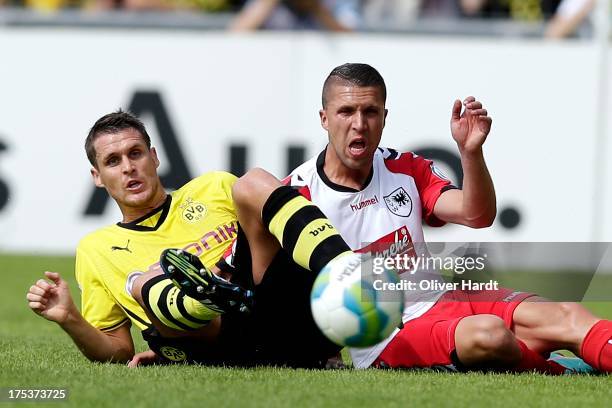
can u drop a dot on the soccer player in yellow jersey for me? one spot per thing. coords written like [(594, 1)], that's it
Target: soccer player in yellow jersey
[(201, 218), (198, 217)]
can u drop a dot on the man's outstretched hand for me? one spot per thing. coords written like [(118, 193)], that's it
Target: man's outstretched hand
[(470, 128), (51, 300)]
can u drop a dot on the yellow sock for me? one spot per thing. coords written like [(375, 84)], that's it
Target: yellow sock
[(302, 229), (173, 308)]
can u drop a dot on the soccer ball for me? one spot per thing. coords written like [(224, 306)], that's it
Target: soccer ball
[(347, 306)]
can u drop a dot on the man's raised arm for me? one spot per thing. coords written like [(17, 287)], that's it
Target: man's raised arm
[(474, 205)]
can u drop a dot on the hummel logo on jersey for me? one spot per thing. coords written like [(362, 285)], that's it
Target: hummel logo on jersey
[(363, 204), (125, 248), (511, 296), (399, 202)]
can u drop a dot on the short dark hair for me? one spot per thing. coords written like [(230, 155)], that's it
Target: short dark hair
[(113, 123), (356, 75)]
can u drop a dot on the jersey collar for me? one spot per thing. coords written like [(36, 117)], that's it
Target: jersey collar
[(150, 221), (338, 187)]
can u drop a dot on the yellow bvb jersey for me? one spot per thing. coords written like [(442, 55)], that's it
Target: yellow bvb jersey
[(199, 217)]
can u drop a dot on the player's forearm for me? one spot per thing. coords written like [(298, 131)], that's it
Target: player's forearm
[(479, 203), (95, 344)]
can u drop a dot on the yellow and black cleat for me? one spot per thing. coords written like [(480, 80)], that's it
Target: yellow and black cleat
[(188, 273)]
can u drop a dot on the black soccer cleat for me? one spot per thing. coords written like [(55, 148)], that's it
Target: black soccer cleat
[(188, 273)]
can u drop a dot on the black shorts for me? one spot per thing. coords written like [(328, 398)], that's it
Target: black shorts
[(279, 331)]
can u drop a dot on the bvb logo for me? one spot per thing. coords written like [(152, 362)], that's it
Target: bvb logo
[(173, 354), (193, 211)]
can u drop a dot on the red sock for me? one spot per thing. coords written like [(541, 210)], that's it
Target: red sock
[(597, 346), (532, 361)]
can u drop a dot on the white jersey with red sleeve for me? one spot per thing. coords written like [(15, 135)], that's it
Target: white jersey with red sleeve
[(384, 217)]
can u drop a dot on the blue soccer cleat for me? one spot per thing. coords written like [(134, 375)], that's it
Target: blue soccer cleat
[(572, 365)]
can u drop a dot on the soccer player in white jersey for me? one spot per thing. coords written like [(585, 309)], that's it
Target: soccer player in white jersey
[(380, 196)]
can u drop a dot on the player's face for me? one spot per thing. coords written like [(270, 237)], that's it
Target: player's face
[(127, 169), (354, 119)]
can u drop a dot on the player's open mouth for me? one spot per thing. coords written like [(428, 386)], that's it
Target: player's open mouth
[(134, 185), (357, 147)]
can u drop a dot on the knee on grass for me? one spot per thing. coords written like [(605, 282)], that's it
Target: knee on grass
[(485, 340)]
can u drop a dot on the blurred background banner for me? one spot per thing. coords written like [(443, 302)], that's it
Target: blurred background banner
[(218, 100)]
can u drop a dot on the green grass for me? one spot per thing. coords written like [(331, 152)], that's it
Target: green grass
[(36, 353)]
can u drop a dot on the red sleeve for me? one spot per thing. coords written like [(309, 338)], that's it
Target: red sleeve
[(430, 182)]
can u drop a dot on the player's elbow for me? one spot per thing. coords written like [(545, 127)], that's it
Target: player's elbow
[(123, 355), (480, 224), (113, 347), (483, 221), (120, 355)]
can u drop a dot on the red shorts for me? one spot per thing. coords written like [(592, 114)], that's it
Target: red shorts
[(429, 340)]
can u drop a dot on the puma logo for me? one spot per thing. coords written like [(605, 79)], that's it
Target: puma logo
[(125, 248)]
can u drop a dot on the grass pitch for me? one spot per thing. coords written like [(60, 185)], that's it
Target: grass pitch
[(35, 353)]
